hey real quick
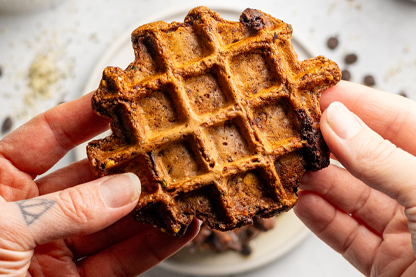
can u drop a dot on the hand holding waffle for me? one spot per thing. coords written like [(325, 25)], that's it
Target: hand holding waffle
[(69, 222), (219, 120), (366, 212)]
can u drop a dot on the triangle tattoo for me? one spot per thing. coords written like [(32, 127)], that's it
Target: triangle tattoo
[(32, 209)]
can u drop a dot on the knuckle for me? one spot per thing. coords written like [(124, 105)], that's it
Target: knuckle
[(411, 215), (12, 237), (14, 233), (373, 157), (77, 205), (380, 151), (349, 239), (362, 200)]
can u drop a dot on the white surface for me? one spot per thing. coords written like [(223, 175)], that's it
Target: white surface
[(26, 6), (380, 32)]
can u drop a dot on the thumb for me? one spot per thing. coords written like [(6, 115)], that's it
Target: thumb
[(78, 210), (372, 159)]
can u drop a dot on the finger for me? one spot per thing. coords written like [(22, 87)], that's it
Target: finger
[(82, 246), (39, 144), (79, 210), (135, 255), (355, 242), (385, 113), (370, 158), (339, 230), (352, 196), (76, 173), (14, 184)]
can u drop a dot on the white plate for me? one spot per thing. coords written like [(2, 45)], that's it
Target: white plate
[(289, 230)]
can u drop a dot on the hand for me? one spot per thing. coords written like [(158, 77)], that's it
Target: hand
[(68, 223), (365, 211)]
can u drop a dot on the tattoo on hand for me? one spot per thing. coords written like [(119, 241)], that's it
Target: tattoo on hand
[(32, 209)]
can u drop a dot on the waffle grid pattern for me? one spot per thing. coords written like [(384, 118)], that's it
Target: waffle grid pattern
[(205, 117)]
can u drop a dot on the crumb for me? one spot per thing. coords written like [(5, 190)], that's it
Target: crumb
[(403, 93), (93, 37), (42, 75)]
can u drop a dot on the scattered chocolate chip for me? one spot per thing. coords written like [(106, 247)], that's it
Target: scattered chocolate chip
[(402, 93), (1, 70), (369, 81), (332, 43), (350, 58), (7, 125), (246, 250), (346, 75)]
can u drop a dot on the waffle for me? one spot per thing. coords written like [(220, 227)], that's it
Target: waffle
[(218, 119)]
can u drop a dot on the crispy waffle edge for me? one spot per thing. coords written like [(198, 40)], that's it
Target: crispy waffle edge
[(219, 119)]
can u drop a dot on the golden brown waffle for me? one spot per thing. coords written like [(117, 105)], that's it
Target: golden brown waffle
[(219, 119)]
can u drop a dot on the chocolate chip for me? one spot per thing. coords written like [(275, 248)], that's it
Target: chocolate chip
[(253, 19), (332, 43), (369, 81), (350, 58), (1, 70), (246, 250), (402, 93), (346, 75), (7, 125)]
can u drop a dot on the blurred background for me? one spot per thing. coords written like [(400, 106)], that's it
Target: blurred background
[(49, 48)]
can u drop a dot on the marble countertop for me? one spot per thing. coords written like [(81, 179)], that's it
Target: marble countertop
[(71, 37)]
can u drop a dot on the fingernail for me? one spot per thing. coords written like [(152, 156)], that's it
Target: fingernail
[(342, 121), (121, 190)]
